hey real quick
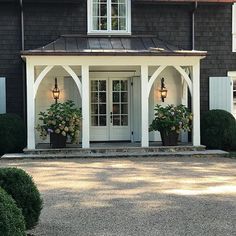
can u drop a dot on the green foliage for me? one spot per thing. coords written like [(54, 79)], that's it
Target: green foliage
[(23, 190), (233, 145), (61, 118), (218, 130), (12, 133), (11, 219), (171, 118)]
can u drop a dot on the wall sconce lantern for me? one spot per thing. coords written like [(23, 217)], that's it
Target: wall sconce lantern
[(163, 90), (56, 91)]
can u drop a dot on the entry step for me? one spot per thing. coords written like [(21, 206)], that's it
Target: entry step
[(203, 153), (108, 150)]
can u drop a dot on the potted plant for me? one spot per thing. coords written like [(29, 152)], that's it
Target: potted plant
[(60, 121), (169, 121)]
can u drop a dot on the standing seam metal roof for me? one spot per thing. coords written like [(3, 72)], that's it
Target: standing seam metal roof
[(113, 45)]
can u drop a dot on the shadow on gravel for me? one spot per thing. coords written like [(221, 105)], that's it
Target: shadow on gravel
[(177, 196)]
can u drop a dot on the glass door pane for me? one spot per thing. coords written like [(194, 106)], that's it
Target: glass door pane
[(120, 102), (98, 102)]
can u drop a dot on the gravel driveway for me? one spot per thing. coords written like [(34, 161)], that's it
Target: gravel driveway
[(143, 196)]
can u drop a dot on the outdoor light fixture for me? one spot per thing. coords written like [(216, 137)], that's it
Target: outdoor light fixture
[(56, 91), (163, 90)]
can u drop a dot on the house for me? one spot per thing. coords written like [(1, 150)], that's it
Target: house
[(110, 57)]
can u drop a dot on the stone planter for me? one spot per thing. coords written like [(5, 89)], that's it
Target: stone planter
[(57, 140), (169, 139)]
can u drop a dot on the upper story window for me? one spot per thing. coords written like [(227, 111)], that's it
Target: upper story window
[(109, 17), (234, 27)]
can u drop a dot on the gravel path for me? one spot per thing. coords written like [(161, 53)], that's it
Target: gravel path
[(143, 196)]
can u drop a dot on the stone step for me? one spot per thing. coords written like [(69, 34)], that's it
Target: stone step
[(108, 150), (205, 153)]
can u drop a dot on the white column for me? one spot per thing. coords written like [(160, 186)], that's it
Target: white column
[(85, 106), (196, 104), (144, 106), (30, 106), (184, 135)]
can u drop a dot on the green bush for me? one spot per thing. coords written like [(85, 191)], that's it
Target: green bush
[(23, 190), (11, 219), (12, 133), (218, 129), (233, 146)]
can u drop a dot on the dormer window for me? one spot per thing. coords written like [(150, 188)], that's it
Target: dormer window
[(109, 17)]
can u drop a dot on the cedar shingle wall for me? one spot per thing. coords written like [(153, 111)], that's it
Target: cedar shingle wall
[(44, 22), (171, 23), (10, 61), (214, 34)]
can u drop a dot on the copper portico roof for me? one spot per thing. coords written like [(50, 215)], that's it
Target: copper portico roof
[(113, 45)]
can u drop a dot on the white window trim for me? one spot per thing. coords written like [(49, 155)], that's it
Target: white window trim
[(108, 32), (234, 27)]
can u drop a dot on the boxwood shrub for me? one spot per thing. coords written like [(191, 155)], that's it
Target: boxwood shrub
[(11, 219), (23, 190), (12, 133), (218, 129)]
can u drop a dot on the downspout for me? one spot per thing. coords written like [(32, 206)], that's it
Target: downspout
[(23, 63), (193, 24), (22, 26), (193, 48)]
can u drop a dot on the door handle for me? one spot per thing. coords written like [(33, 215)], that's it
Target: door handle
[(111, 115)]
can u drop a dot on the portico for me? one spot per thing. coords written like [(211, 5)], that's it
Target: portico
[(119, 107)]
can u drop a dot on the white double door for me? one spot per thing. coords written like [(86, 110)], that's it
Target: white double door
[(110, 109)]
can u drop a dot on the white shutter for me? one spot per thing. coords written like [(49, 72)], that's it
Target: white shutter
[(221, 93), (234, 27), (2, 95)]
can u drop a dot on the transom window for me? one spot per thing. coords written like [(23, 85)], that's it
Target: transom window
[(109, 16)]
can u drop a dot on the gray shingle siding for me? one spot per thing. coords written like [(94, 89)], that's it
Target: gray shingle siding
[(45, 22), (171, 23), (214, 34), (10, 61)]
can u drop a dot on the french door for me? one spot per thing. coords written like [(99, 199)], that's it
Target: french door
[(110, 111)]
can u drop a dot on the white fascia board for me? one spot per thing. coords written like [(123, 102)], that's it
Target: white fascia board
[(231, 73)]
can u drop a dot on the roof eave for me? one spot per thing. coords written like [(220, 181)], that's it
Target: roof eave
[(94, 53)]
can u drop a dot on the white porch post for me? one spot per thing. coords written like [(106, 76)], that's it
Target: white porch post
[(196, 104), (30, 107), (144, 106), (85, 106)]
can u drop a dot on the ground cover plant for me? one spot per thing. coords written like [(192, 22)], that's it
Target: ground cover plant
[(218, 130), (12, 134), (17, 183), (11, 219)]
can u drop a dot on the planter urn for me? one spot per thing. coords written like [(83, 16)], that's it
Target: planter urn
[(57, 140), (169, 138)]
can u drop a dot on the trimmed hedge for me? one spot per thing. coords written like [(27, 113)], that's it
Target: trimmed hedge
[(12, 133), (11, 219), (23, 190), (218, 129)]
